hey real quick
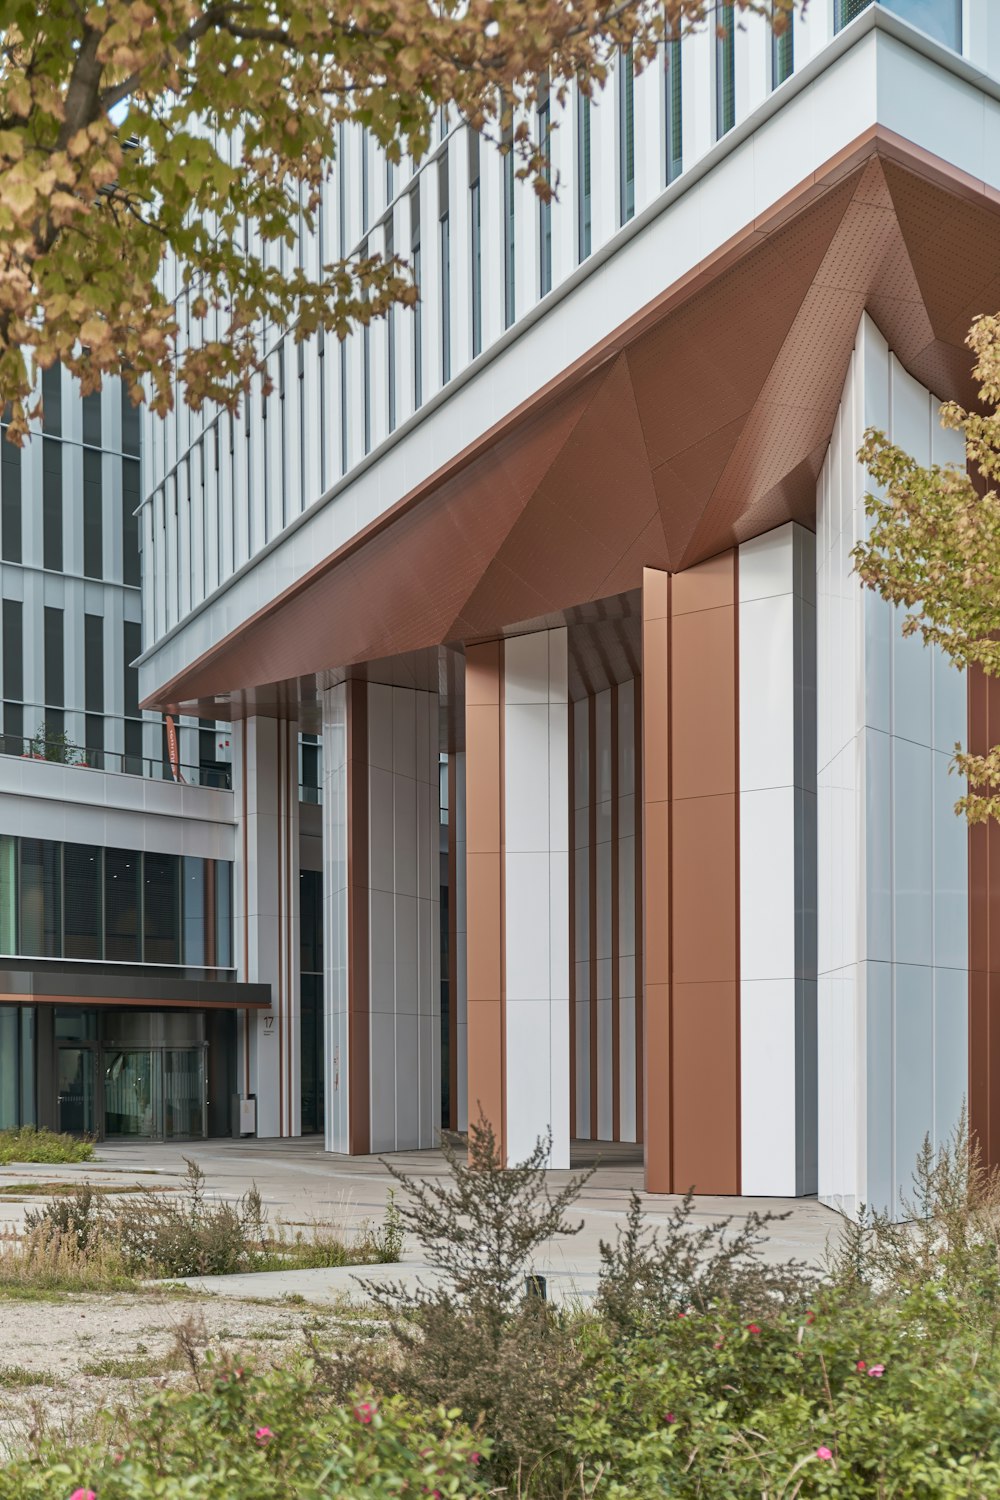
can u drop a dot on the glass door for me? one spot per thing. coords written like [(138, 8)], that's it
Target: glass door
[(183, 1093), (77, 1090), (131, 1094)]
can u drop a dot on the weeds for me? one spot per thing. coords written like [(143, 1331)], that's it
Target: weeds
[(29, 1144), (14, 1376)]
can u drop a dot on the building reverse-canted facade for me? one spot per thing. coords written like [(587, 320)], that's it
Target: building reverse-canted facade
[(552, 698)]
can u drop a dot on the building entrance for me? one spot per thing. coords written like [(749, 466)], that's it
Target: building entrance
[(143, 1093)]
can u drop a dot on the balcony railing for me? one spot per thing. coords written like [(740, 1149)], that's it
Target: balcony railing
[(64, 753)]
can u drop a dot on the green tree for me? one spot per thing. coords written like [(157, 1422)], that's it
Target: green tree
[(131, 130), (934, 547)]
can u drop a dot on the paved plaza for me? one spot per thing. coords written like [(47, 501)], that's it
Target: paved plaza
[(300, 1185)]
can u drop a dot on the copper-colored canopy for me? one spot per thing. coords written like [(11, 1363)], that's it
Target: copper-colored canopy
[(701, 423)]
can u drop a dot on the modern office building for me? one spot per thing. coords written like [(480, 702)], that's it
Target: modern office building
[(574, 777)]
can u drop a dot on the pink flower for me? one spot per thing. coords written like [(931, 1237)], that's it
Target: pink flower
[(263, 1435), (877, 1371), (365, 1412), (475, 1458), (861, 1365), (824, 1453), (83, 1495), (669, 1418), (752, 1328)]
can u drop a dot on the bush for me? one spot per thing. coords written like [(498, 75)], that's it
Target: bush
[(241, 1436), (29, 1144), (88, 1234)]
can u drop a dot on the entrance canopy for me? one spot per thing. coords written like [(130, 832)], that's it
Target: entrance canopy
[(64, 984)]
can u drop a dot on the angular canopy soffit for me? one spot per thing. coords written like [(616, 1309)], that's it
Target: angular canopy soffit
[(701, 424)]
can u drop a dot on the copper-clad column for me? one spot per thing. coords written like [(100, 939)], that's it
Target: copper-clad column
[(691, 837), (484, 884), (656, 878)]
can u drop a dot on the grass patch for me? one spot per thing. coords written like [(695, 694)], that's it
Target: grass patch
[(14, 1190), (134, 1367), (29, 1144), (13, 1377)]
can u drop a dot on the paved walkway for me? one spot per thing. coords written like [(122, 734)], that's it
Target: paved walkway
[(301, 1184)]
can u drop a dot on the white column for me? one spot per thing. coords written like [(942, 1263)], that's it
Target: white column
[(266, 906), (892, 856), (777, 656), (536, 882), (382, 956), (581, 711)]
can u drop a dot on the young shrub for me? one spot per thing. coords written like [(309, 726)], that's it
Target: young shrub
[(475, 1340), (27, 1143)]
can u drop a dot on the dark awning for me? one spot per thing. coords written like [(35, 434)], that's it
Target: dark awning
[(56, 983)]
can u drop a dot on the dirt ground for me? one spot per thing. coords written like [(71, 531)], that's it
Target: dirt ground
[(63, 1360)]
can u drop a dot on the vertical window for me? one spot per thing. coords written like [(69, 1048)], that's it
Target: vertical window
[(845, 11), (83, 925), (545, 204), (52, 506), (54, 658), (365, 149), (390, 331), (13, 729), (366, 373), (673, 109), (476, 225), (130, 424), (131, 573), (582, 174), (132, 759), (93, 663), (92, 419), (122, 928), (418, 340), (390, 182), (445, 247), (725, 70), (343, 408), (161, 901), (52, 401), (509, 245), (93, 515), (782, 53), (13, 649), (132, 648), (41, 898), (626, 137), (10, 499)]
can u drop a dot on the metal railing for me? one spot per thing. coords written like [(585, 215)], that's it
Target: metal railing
[(64, 753)]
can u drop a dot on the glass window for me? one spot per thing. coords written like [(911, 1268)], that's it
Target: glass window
[(846, 10), (725, 70), (418, 314), (52, 400), (475, 214), (545, 205), (130, 522), (626, 137), (782, 52), (311, 921), (130, 423), (132, 763), (509, 244), (54, 657), (92, 419), (93, 663), (13, 729), (41, 898), (10, 1072), (583, 173), (161, 909), (121, 906), (195, 910), (132, 640), (52, 505), (10, 499), (390, 332), (8, 893), (673, 110), (223, 914), (93, 516), (93, 740), (82, 885), (13, 649), (444, 227)]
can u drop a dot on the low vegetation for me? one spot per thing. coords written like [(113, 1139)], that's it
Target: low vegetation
[(699, 1371), (90, 1240), (29, 1144)]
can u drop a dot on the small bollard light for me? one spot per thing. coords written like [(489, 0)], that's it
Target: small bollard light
[(534, 1286)]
